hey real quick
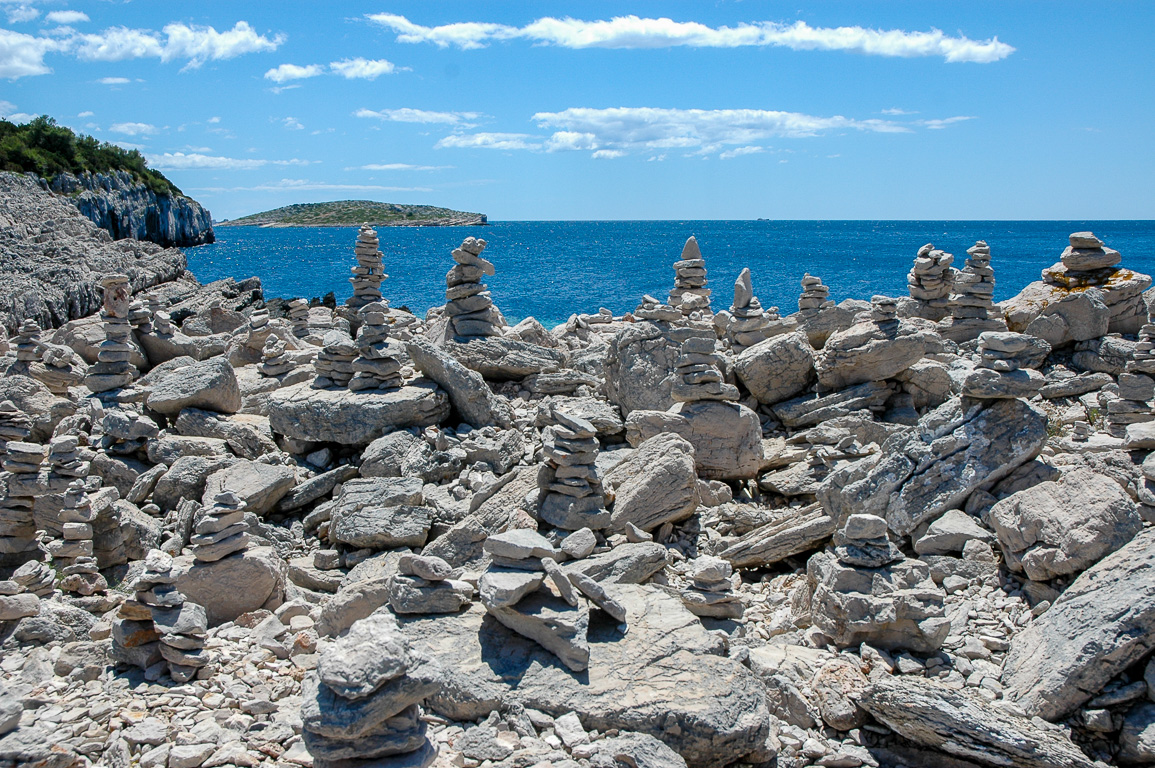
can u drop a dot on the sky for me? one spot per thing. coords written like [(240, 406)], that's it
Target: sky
[(624, 110)]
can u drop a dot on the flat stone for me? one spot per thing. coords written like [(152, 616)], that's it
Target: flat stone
[(354, 418)]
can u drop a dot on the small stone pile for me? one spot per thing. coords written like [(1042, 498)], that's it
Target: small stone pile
[(423, 585), (369, 272), (468, 303), (570, 489), (364, 701), (73, 552), (863, 543), (113, 368), (1086, 253), (299, 317), (710, 591), (275, 360), (377, 366), (815, 295), (697, 373), (17, 526), (180, 624), (221, 530), (1133, 405), (1003, 371), (1144, 359), (335, 362), (748, 323), (884, 311), (15, 425), (65, 463), (931, 280), (1081, 431), (690, 293), (259, 320), (972, 305), (162, 324), (36, 578), (27, 342), (138, 316), (655, 311), (62, 369)]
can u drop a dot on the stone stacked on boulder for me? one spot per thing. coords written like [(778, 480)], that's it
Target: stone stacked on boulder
[(363, 704), (709, 591), (27, 342), (747, 323), (335, 361), (62, 369), (369, 272), (884, 311), (138, 315), (1086, 253), (113, 368), (73, 552), (299, 317), (931, 280), (35, 577), (66, 463), (655, 311), (21, 465), (1144, 358), (690, 293), (377, 366), (468, 303), (570, 489), (221, 530), (1133, 406), (863, 542), (1003, 370), (181, 625), (815, 295), (972, 306), (697, 374), (423, 585), (259, 319), (162, 325), (14, 424), (1081, 431), (275, 360)]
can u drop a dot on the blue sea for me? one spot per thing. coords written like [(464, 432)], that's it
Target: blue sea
[(551, 269)]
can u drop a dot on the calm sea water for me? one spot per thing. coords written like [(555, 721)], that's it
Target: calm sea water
[(551, 269)]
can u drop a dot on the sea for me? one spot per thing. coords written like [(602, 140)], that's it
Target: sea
[(552, 269)]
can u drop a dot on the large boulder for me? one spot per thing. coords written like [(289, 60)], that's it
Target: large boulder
[(665, 677), (1074, 317), (1099, 626), (37, 402), (210, 385), (639, 368), (956, 448), (869, 351), (186, 479), (259, 485), (787, 533), (354, 418), (472, 398), (233, 585), (727, 437), (1119, 290), (381, 513), (502, 358), (656, 485), (811, 409), (777, 369), (1058, 528)]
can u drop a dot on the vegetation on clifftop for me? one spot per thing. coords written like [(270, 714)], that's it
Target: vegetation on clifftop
[(351, 213), (42, 147)]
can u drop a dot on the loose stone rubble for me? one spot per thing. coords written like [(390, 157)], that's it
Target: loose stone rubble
[(914, 531)]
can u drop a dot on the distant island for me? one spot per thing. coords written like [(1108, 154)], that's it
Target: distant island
[(351, 213)]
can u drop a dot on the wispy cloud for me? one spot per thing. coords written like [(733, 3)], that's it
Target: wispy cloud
[(22, 13), (9, 113), (287, 72), (408, 115), (399, 167), (935, 125), (114, 81), (491, 141), (66, 17), (292, 123), (304, 185), (196, 161), (740, 151), (350, 69), (133, 129), (635, 32), (896, 112)]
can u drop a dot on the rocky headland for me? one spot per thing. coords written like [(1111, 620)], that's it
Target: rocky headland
[(902, 531)]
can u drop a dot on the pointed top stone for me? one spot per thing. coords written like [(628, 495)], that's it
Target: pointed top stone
[(743, 289), (691, 250)]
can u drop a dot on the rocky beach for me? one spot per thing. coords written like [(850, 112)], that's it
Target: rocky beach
[(890, 531)]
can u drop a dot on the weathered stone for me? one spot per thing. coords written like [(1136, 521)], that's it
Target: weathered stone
[(258, 484), (354, 418), (470, 395), (373, 652), (214, 585), (505, 358), (868, 352), (656, 485), (777, 369), (788, 533), (556, 625), (210, 385), (639, 368), (727, 437)]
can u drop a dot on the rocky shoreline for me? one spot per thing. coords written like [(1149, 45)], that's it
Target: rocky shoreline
[(891, 532)]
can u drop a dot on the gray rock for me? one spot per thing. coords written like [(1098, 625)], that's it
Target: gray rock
[(519, 544), (38, 746), (639, 368), (373, 652), (808, 410), (315, 488), (950, 533), (1138, 737), (624, 564), (556, 625), (656, 485), (868, 352), (354, 418), (186, 479), (247, 435), (210, 385), (10, 711), (784, 535), (382, 527), (411, 594), (472, 398), (727, 437), (258, 484), (634, 749), (385, 456), (214, 585), (505, 358), (337, 717), (399, 735), (777, 369), (500, 587)]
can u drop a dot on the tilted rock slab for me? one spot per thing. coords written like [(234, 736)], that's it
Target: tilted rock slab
[(505, 359), (354, 418), (467, 390), (790, 533), (1101, 624), (654, 486), (866, 352), (727, 437), (777, 369)]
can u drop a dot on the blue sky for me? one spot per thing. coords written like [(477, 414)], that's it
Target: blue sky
[(643, 110)]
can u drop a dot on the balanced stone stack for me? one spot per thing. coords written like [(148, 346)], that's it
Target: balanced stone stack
[(66, 464), (864, 543), (139, 317), (259, 320), (697, 374), (655, 311), (423, 585), (815, 295), (972, 305), (377, 366), (335, 362), (181, 624), (275, 360), (36, 578), (299, 317), (21, 464), (1002, 371), (1144, 359), (710, 591), (369, 272), (221, 530), (73, 552), (15, 425), (27, 342), (468, 303), (748, 323), (570, 488), (931, 280), (362, 707), (884, 311), (1081, 431), (162, 325), (62, 369), (690, 293), (1133, 405), (1086, 253), (114, 368)]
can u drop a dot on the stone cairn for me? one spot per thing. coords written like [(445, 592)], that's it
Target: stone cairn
[(114, 368), (1144, 359), (815, 295), (21, 464), (1086, 255), (377, 366), (972, 305), (655, 311), (259, 320), (334, 363), (709, 591), (299, 317), (66, 464), (364, 701), (697, 373), (73, 552), (1134, 403), (864, 543), (1081, 431), (180, 624), (748, 323), (423, 585), (884, 312), (162, 324), (1003, 371), (275, 360), (138, 315), (62, 369), (221, 530), (570, 488), (468, 303), (931, 280), (369, 272), (35, 577), (690, 293), (27, 342)]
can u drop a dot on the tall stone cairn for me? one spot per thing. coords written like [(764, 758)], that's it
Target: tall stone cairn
[(1144, 360), (570, 488), (468, 303), (972, 305), (299, 317), (180, 624), (221, 530), (697, 373), (931, 280), (815, 295), (1002, 372), (1136, 386), (690, 293), (27, 342), (73, 551), (113, 368), (884, 312), (369, 272), (67, 462), (748, 323), (334, 363), (21, 485), (377, 366)]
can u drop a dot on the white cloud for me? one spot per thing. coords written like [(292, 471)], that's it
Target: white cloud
[(113, 80), (635, 32), (936, 125), (399, 167), (292, 123), (9, 113), (196, 44), (408, 115), (214, 120), (66, 17), (739, 151), (196, 161), (118, 44), (608, 154), (86, 114), (22, 55), (22, 13), (287, 72), (896, 112), (312, 186), (490, 141), (362, 69), (133, 129)]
